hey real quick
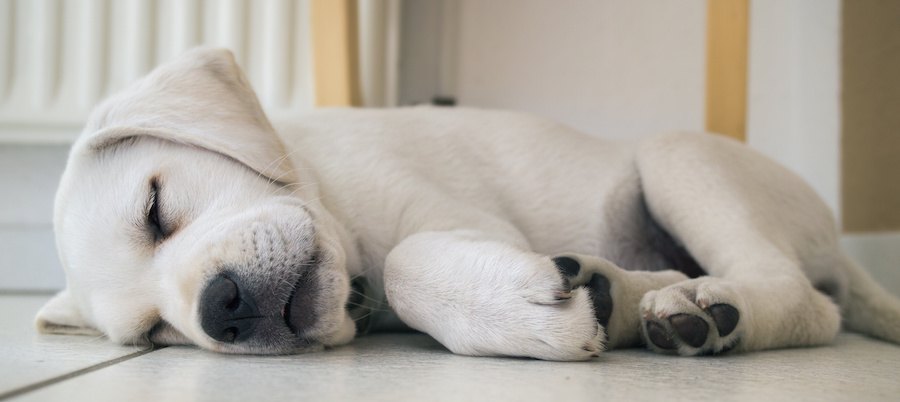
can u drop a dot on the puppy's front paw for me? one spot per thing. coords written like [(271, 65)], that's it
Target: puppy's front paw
[(491, 299), (560, 318), (695, 317)]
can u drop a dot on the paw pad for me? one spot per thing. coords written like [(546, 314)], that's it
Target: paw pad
[(660, 336), (567, 266), (602, 299), (598, 284), (725, 316), (690, 328), (694, 331)]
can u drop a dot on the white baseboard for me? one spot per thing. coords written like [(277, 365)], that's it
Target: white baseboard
[(879, 253)]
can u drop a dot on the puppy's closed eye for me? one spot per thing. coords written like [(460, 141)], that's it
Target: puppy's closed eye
[(155, 222)]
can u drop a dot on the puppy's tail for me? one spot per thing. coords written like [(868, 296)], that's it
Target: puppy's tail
[(868, 308)]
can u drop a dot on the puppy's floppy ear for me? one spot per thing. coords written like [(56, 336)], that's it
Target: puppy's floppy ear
[(61, 316), (201, 99)]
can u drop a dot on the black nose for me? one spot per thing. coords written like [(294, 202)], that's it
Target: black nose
[(227, 312)]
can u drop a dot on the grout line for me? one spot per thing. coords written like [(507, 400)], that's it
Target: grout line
[(54, 380)]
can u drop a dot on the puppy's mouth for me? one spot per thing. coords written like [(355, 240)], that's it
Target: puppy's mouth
[(300, 313), (306, 303)]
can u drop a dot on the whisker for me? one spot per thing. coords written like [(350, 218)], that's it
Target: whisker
[(370, 308), (369, 298), (364, 316)]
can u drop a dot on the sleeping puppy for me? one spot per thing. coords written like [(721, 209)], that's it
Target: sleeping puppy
[(185, 217)]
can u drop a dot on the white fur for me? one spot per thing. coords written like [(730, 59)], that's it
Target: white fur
[(452, 215)]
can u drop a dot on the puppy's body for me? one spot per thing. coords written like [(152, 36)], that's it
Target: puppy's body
[(496, 233), (421, 169), (548, 189)]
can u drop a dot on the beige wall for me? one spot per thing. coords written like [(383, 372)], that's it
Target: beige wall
[(870, 143), (617, 69)]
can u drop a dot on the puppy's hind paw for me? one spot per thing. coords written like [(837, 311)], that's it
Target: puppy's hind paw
[(696, 317)]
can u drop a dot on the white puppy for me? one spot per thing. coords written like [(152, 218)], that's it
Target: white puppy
[(185, 217)]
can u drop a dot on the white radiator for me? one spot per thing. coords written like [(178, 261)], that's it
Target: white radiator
[(60, 57)]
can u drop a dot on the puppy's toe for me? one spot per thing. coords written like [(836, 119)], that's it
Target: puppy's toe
[(564, 331), (552, 285)]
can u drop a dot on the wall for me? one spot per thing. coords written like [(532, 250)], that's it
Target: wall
[(870, 146), (28, 179), (611, 68), (793, 103), (870, 141)]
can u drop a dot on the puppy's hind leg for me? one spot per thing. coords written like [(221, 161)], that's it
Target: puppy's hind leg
[(755, 228)]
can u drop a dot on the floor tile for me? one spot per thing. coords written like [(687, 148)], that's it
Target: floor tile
[(397, 367), (30, 358)]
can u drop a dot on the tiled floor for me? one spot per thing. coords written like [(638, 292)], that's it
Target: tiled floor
[(396, 367)]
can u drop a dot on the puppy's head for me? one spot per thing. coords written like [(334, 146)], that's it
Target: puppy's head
[(181, 219)]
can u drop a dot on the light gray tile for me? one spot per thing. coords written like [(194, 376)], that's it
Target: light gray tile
[(398, 367), (29, 358)]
